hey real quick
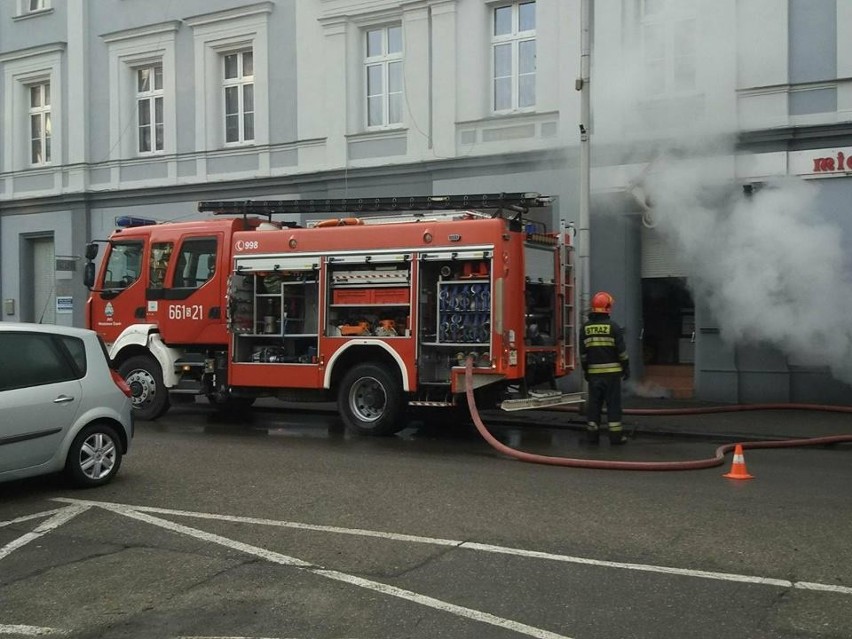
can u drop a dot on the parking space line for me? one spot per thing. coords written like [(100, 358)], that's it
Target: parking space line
[(29, 631), (285, 560), (63, 516), (359, 532), (504, 550), (45, 513)]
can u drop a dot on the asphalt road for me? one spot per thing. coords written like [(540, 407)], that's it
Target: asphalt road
[(280, 524)]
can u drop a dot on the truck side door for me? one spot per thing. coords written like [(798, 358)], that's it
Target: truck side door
[(192, 302), (120, 298)]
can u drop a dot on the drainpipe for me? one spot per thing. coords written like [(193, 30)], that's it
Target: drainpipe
[(582, 85)]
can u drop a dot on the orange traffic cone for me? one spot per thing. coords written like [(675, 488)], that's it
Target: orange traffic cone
[(738, 468)]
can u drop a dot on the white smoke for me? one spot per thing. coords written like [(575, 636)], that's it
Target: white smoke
[(769, 266)]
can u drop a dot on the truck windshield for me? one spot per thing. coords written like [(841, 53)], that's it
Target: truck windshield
[(124, 265)]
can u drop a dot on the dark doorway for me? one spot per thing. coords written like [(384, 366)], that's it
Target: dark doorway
[(668, 334)]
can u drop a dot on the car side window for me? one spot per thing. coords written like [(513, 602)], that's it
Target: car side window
[(77, 350), (32, 359)]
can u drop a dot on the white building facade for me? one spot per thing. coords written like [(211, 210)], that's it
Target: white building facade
[(117, 107)]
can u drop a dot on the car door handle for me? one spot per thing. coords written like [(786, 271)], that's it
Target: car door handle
[(63, 399)]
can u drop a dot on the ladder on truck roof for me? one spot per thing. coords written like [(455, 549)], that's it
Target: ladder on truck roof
[(414, 206)]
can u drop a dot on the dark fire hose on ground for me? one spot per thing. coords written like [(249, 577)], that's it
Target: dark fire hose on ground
[(717, 460)]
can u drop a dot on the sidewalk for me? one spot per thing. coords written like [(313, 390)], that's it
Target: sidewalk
[(742, 425)]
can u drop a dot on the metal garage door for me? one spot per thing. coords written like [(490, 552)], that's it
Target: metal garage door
[(44, 280)]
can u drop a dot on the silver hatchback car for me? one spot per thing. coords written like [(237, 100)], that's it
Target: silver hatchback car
[(62, 408)]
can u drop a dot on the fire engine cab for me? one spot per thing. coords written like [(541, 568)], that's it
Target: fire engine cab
[(378, 307)]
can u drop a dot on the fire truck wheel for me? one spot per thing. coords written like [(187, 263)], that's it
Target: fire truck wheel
[(145, 378), (370, 400)]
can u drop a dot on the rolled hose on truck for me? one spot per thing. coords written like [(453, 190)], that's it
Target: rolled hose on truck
[(717, 460)]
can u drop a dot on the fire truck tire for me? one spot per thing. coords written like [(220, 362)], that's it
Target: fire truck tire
[(370, 400), (145, 378)]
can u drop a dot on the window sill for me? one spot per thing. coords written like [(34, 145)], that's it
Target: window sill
[(504, 116), (510, 112), (378, 133), (33, 14)]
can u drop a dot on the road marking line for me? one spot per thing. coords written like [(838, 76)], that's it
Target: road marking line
[(809, 585), (63, 516), (504, 550), (285, 560), (29, 631), (46, 513), (686, 572), (360, 532)]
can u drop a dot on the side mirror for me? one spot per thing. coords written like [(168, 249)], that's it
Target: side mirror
[(91, 250), (89, 272)]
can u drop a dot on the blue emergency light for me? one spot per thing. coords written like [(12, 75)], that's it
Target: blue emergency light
[(128, 221)]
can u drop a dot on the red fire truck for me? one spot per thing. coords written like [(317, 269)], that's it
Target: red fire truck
[(378, 308)]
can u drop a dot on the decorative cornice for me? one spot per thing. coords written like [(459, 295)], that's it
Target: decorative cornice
[(230, 14), (138, 32), (31, 52)]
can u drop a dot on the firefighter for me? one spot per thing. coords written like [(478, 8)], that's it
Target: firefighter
[(605, 363)]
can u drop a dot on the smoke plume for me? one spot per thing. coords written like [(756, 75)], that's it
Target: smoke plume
[(768, 265)]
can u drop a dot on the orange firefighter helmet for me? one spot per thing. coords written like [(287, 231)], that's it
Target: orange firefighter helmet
[(602, 303)]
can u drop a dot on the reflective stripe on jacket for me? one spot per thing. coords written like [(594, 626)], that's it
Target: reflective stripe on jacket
[(602, 347)]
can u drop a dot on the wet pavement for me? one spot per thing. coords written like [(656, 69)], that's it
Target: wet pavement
[(277, 522), (647, 417)]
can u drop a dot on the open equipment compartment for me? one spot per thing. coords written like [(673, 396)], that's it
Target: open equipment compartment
[(455, 313), (369, 295), (273, 312)]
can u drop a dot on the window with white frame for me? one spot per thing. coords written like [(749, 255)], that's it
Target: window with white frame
[(39, 120), (668, 39), (383, 75), (239, 97), (142, 86), (232, 98), (32, 6), (513, 56), (149, 108)]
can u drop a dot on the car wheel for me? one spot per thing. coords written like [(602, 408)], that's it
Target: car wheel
[(370, 400), (145, 378), (94, 457)]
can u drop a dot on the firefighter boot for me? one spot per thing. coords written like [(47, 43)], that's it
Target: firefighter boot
[(593, 435), (616, 436)]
